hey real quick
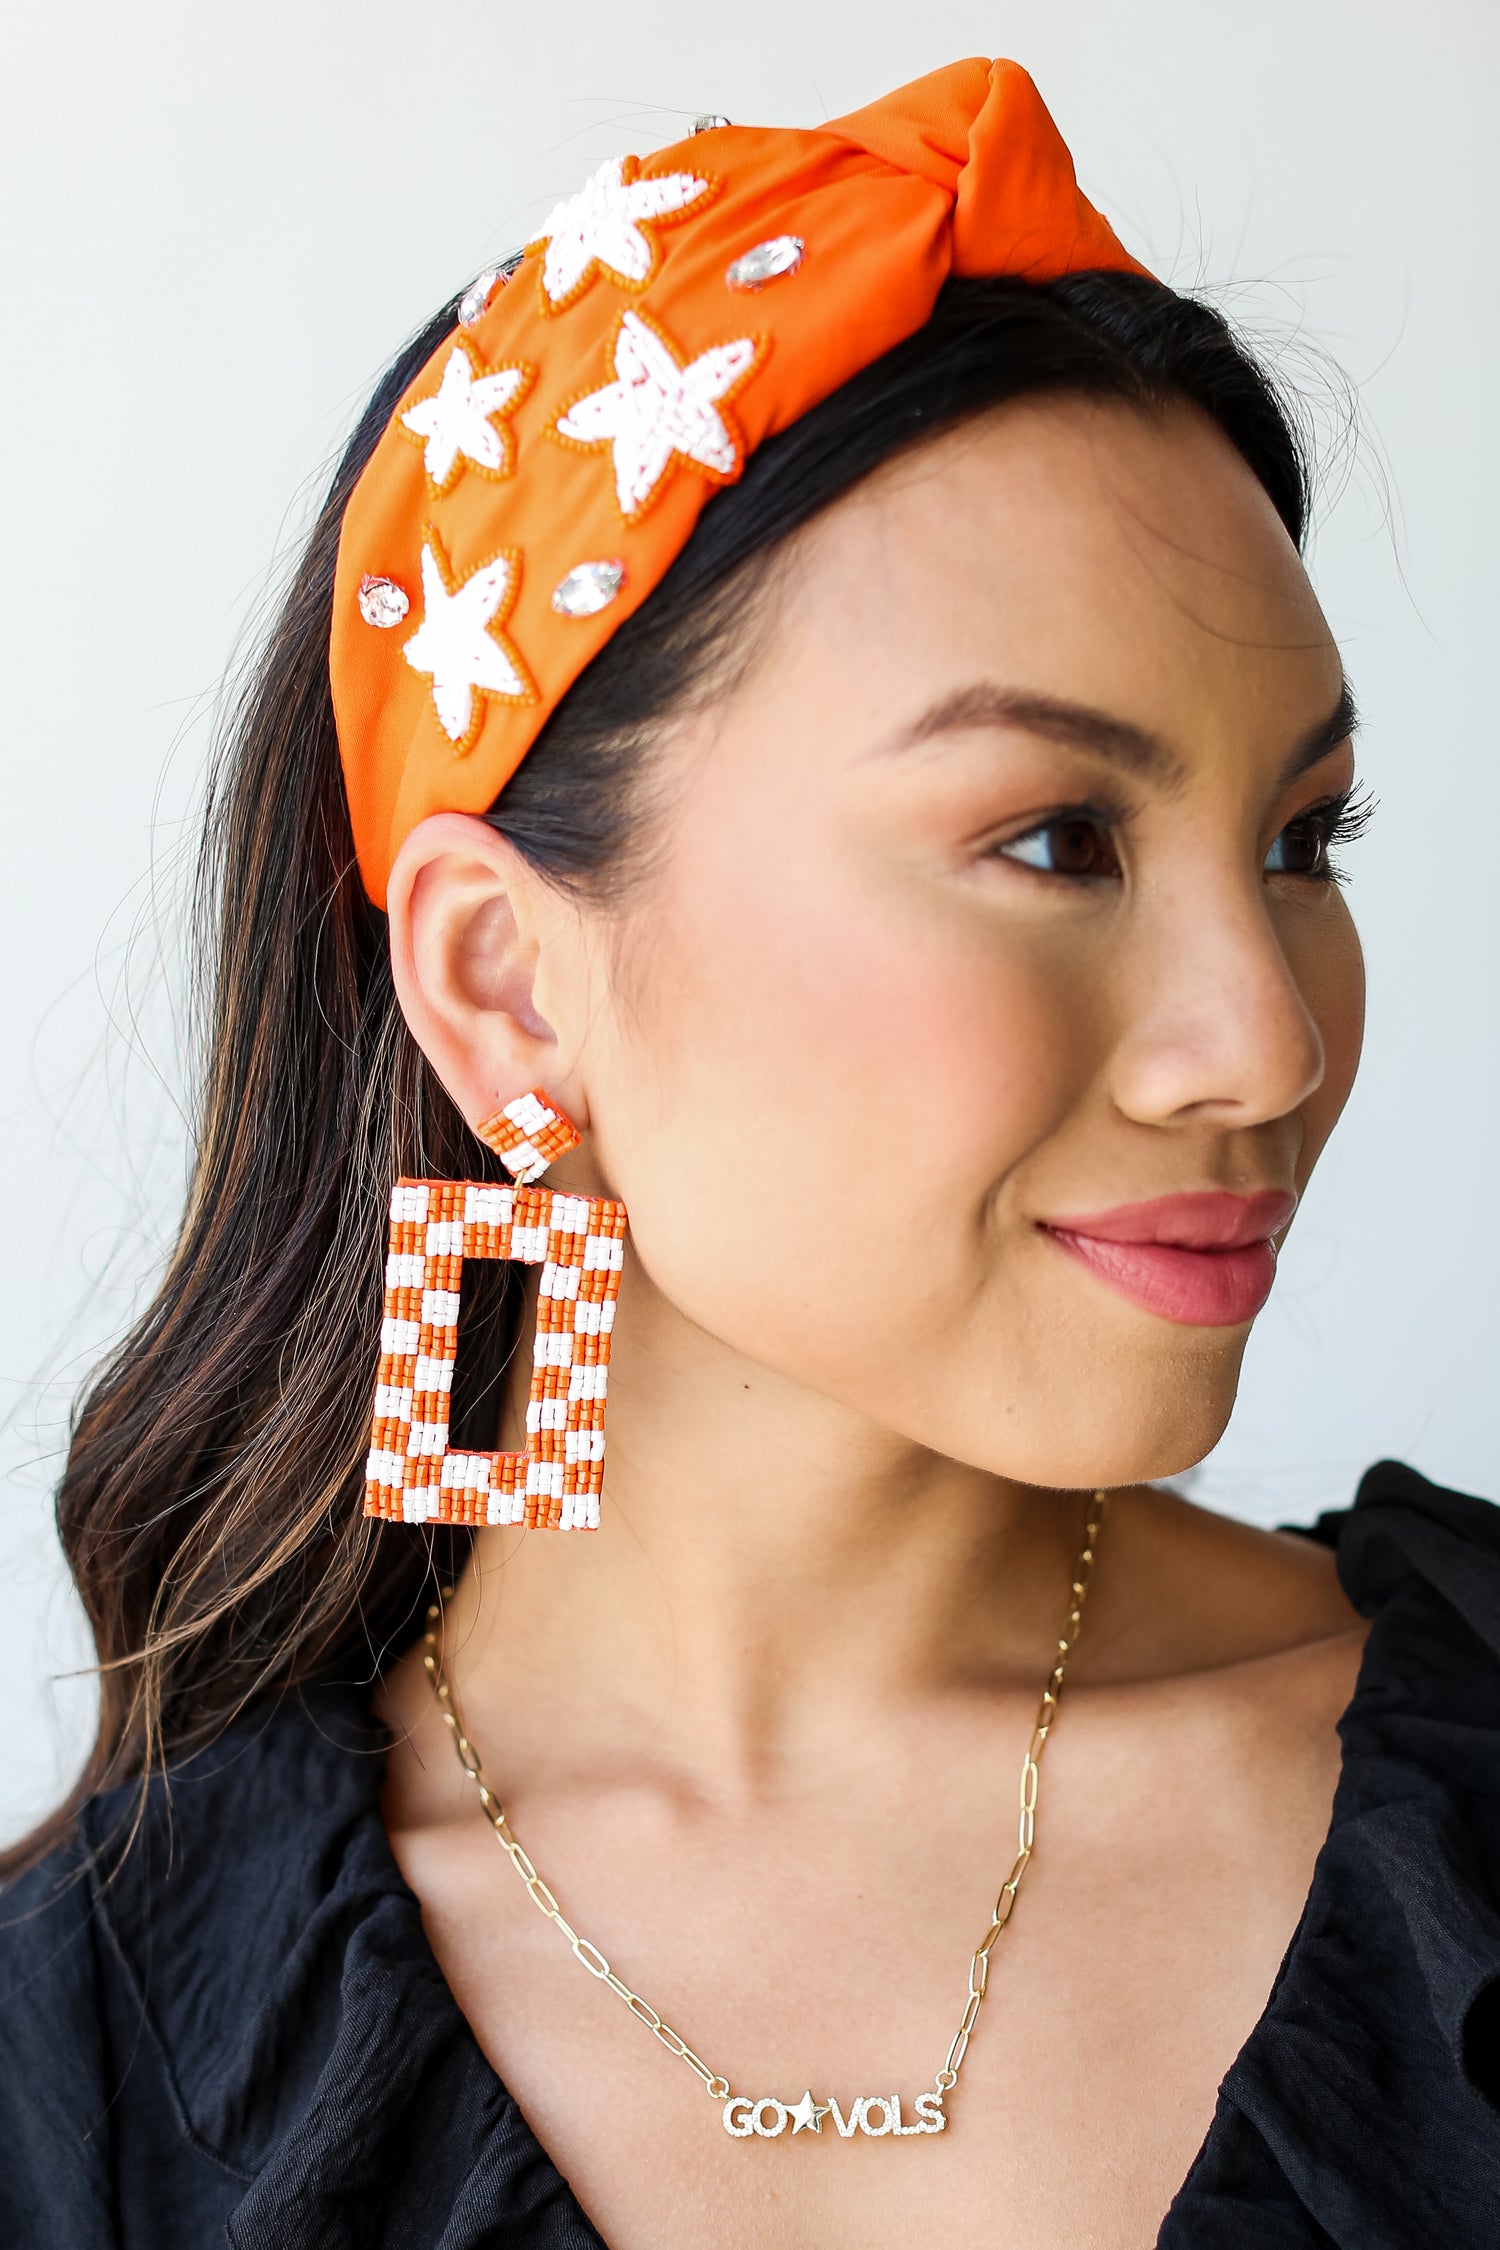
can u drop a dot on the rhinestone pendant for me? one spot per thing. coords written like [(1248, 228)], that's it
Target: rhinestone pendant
[(782, 253), (588, 588), (382, 602)]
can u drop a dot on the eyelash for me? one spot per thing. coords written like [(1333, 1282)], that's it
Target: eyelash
[(1335, 821), (1332, 822)]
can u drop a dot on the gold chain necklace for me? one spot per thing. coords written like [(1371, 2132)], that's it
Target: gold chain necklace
[(742, 2115)]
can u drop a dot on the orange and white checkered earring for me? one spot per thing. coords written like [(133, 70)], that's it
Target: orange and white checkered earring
[(412, 1475)]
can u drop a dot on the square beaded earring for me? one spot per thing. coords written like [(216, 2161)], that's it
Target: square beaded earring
[(412, 1475)]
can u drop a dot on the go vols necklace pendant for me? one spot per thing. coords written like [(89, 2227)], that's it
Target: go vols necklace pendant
[(767, 2118), (770, 2118)]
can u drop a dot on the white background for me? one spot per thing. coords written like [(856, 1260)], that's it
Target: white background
[(219, 221)]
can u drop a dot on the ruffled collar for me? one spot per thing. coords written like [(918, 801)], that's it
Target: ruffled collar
[(311, 2044), (315, 2051), (1362, 2110)]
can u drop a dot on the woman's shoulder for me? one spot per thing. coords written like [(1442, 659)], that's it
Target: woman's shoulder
[(1404, 1533), (230, 1855), (1419, 1795), (147, 1963), (1366, 2105), (218, 2004), (55, 2179), (1220, 1591), (1422, 1564)]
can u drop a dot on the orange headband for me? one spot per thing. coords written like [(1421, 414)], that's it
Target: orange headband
[(549, 462)]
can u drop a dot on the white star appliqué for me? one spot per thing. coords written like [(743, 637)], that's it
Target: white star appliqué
[(454, 424), (601, 226), (660, 410), (459, 643)]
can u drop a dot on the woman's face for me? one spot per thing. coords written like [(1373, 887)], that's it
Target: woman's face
[(993, 900)]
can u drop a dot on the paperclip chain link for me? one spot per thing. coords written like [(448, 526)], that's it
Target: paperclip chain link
[(588, 1954)]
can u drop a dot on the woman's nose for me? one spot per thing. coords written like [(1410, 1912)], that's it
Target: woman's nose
[(1217, 1029)]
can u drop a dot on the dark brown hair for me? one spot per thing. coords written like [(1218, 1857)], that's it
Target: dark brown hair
[(211, 1504)]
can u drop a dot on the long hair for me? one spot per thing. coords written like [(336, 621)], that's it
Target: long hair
[(210, 1508)]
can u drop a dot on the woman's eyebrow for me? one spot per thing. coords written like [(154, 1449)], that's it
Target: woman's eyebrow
[(1341, 723), (1083, 727), (1079, 725)]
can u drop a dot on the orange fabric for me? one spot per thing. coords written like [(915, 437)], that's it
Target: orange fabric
[(961, 172)]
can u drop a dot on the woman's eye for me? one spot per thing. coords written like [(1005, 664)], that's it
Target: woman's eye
[(1300, 849), (1073, 844), (1306, 844)]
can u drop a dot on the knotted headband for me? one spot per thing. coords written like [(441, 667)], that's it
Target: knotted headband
[(549, 462)]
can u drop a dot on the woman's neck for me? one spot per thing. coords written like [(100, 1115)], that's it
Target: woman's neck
[(772, 1566)]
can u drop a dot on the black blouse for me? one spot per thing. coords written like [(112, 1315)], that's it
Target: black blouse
[(244, 2036)]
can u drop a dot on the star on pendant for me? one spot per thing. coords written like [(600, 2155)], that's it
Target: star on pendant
[(660, 409), (453, 424), (807, 2112), (459, 644), (601, 228)]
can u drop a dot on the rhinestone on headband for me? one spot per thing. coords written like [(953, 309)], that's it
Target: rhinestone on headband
[(382, 602), (782, 253), (472, 304), (588, 588), (709, 122)]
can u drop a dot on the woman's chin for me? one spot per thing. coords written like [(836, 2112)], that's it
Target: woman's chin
[(1104, 1442)]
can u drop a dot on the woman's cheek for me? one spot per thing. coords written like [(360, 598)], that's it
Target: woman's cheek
[(842, 1153), (913, 1029), (1331, 975)]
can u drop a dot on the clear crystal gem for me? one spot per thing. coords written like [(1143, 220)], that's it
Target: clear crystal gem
[(588, 588), (475, 299), (783, 253), (709, 122), (472, 303), (382, 602)]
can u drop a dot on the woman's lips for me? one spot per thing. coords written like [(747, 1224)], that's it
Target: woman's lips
[(1205, 1260)]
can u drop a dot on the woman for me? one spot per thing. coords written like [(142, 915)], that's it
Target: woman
[(906, 884)]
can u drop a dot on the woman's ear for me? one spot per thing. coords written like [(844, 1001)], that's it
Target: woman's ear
[(484, 955)]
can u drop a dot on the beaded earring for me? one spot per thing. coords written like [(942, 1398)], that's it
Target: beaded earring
[(412, 1475)]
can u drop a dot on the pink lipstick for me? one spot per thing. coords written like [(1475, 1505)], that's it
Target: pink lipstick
[(1205, 1260)]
